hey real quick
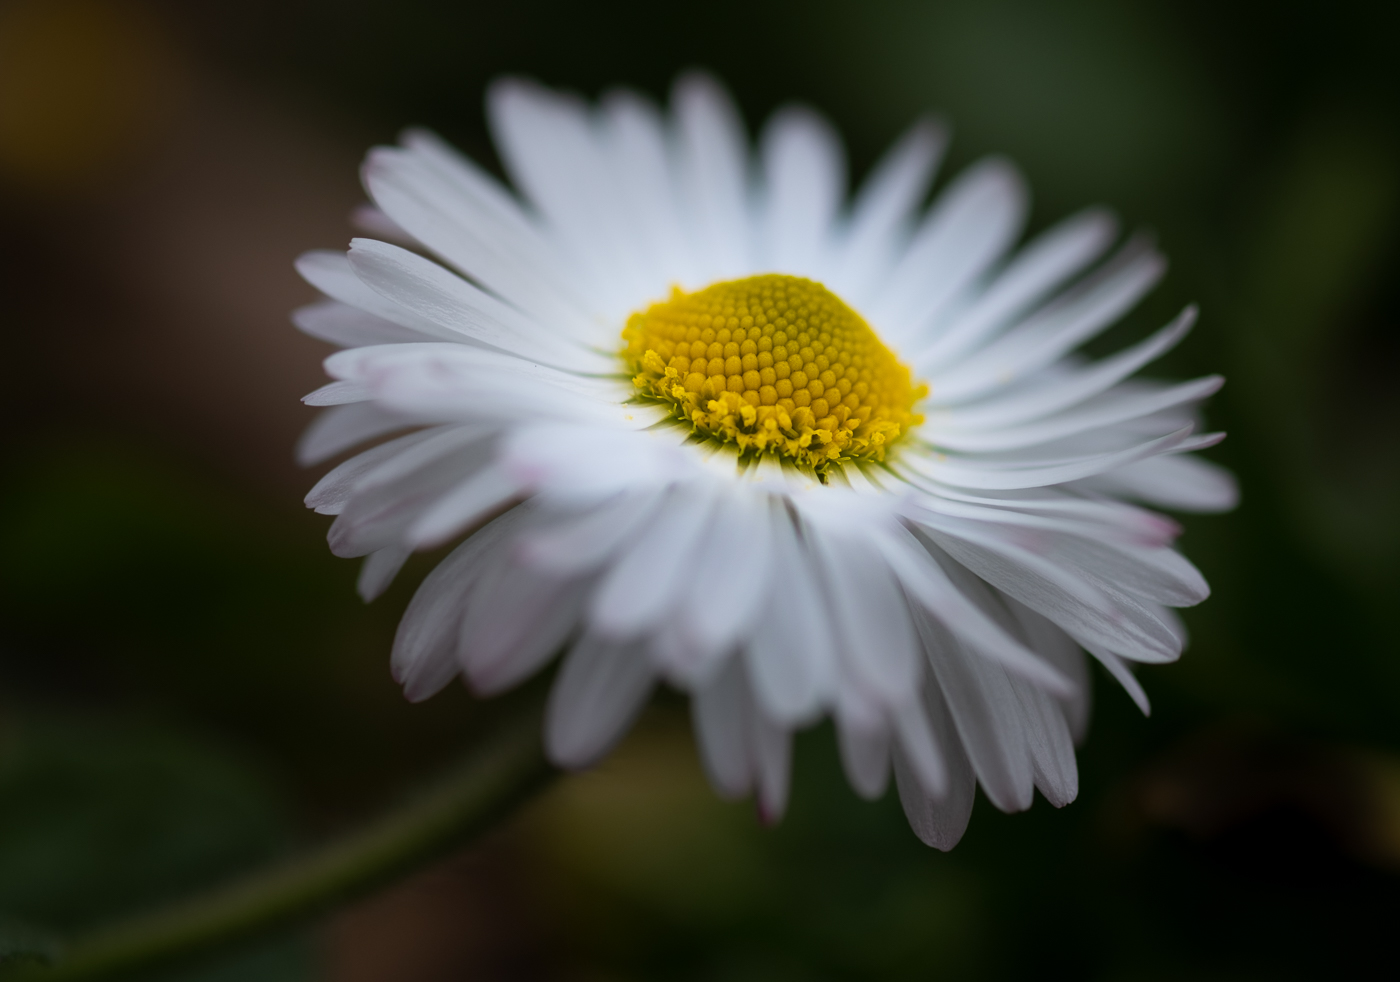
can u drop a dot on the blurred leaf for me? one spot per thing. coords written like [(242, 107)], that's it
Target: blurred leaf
[(21, 942), (1316, 335), (100, 821)]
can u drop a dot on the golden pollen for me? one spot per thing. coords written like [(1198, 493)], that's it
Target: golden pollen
[(775, 364)]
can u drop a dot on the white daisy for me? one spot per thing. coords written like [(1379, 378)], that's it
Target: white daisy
[(709, 424)]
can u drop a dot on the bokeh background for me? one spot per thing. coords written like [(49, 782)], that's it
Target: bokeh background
[(189, 686)]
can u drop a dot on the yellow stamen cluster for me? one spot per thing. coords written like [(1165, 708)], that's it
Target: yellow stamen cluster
[(774, 364)]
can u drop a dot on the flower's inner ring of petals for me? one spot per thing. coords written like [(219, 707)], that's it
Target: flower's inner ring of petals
[(775, 364)]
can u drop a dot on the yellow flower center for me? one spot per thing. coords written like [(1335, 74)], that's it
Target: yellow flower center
[(775, 364)]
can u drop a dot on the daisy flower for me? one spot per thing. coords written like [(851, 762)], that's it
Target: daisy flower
[(703, 421)]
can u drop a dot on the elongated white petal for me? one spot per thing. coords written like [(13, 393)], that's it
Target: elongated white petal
[(487, 238), (925, 581), (483, 493), (713, 172), (1119, 669), (790, 656), (1064, 390), (1175, 481), (454, 305), (804, 170), (339, 394), (884, 209), (424, 658), (1051, 745), (719, 712), (865, 756), (379, 570), (350, 327), (730, 571), (342, 427), (601, 687), (583, 541), (1055, 330), (1039, 268), (939, 820), (638, 153), (969, 227), (515, 622), (970, 472), (331, 493), (555, 151), (1079, 606), (876, 639), (638, 591), (918, 748), (987, 716), (330, 273), (1110, 409)]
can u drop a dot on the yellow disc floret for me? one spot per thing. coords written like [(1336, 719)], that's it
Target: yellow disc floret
[(775, 364)]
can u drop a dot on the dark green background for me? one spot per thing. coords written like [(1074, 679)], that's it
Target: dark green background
[(188, 685)]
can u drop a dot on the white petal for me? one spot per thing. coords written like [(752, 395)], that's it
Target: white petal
[(969, 227), (987, 715), (457, 381), (331, 492), (1040, 267), (865, 756), (926, 582), (1174, 481), (382, 514), (719, 712), (1119, 669), (1098, 551), (640, 157), (552, 149), (1057, 328), (643, 584), (804, 170), (338, 394), (583, 541), (599, 691), (445, 201), (712, 163), (1111, 409), (516, 621), (350, 327), (1065, 389), (938, 820), (1051, 746), (330, 273), (379, 570), (590, 463), (1082, 608), (884, 209), (972, 472), (730, 573), (916, 743), (1064, 653), (877, 643), (454, 305), (424, 658), (485, 492), (790, 656), (342, 427)]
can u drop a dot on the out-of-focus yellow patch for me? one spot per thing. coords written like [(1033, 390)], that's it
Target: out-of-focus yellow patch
[(84, 84)]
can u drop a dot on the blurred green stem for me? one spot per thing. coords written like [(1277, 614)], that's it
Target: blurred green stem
[(503, 771)]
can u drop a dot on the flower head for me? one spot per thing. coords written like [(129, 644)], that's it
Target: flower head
[(703, 421)]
